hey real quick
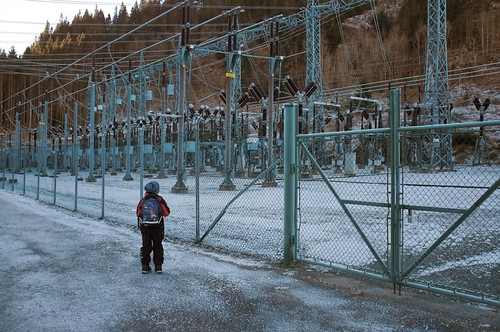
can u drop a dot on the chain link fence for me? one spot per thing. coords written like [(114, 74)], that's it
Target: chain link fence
[(451, 218), (448, 214), (246, 219), (345, 220)]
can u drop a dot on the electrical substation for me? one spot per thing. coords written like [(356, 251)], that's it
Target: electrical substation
[(393, 142)]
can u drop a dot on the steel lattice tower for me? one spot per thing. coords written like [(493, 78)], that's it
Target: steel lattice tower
[(313, 47), (437, 143)]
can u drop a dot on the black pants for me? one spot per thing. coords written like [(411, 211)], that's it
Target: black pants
[(152, 241)]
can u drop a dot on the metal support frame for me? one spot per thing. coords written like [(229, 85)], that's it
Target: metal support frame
[(128, 176), (75, 151), (90, 177), (42, 167), (163, 108), (103, 151), (179, 186), (231, 59), (16, 167), (274, 49)]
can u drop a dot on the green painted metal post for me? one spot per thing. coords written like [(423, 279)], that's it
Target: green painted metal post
[(91, 148), (396, 236), (127, 176), (197, 178), (17, 145), (290, 178), (141, 162), (103, 156), (43, 138), (56, 152), (65, 140), (75, 152)]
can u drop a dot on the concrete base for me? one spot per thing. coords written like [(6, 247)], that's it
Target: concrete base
[(240, 174), (350, 164), (269, 184), (128, 178), (180, 190), (227, 187)]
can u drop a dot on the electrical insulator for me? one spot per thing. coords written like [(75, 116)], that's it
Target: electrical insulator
[(310, 88), (477, 103), (276, 93), (255, 92), (291, 86), (243, 100), (222, 96), (486, 104)]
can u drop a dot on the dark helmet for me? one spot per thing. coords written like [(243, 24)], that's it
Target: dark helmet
[(152, 187)]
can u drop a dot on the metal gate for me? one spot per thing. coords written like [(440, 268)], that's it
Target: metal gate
[(365, 204)]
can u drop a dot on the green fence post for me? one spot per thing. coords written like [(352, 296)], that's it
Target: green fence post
[(75, 151), (103, 155), (290, 178), (394, 101)]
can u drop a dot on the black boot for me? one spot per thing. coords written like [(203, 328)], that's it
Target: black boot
[(145, 269)]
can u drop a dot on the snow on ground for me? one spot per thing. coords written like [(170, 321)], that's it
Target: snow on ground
[(62, 271)]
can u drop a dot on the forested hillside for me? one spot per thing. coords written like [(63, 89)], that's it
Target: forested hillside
[(355, 50)]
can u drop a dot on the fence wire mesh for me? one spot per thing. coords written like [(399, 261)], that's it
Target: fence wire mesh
[(248, 219), (447, 201), (448, 212), (344, 221)]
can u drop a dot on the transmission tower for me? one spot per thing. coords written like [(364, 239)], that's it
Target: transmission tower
[(313, 70), (437, 143)]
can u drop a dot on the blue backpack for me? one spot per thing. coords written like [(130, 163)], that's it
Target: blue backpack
[(151, 213)]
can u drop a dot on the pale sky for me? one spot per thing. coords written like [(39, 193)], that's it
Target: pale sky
[(23, 20)]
